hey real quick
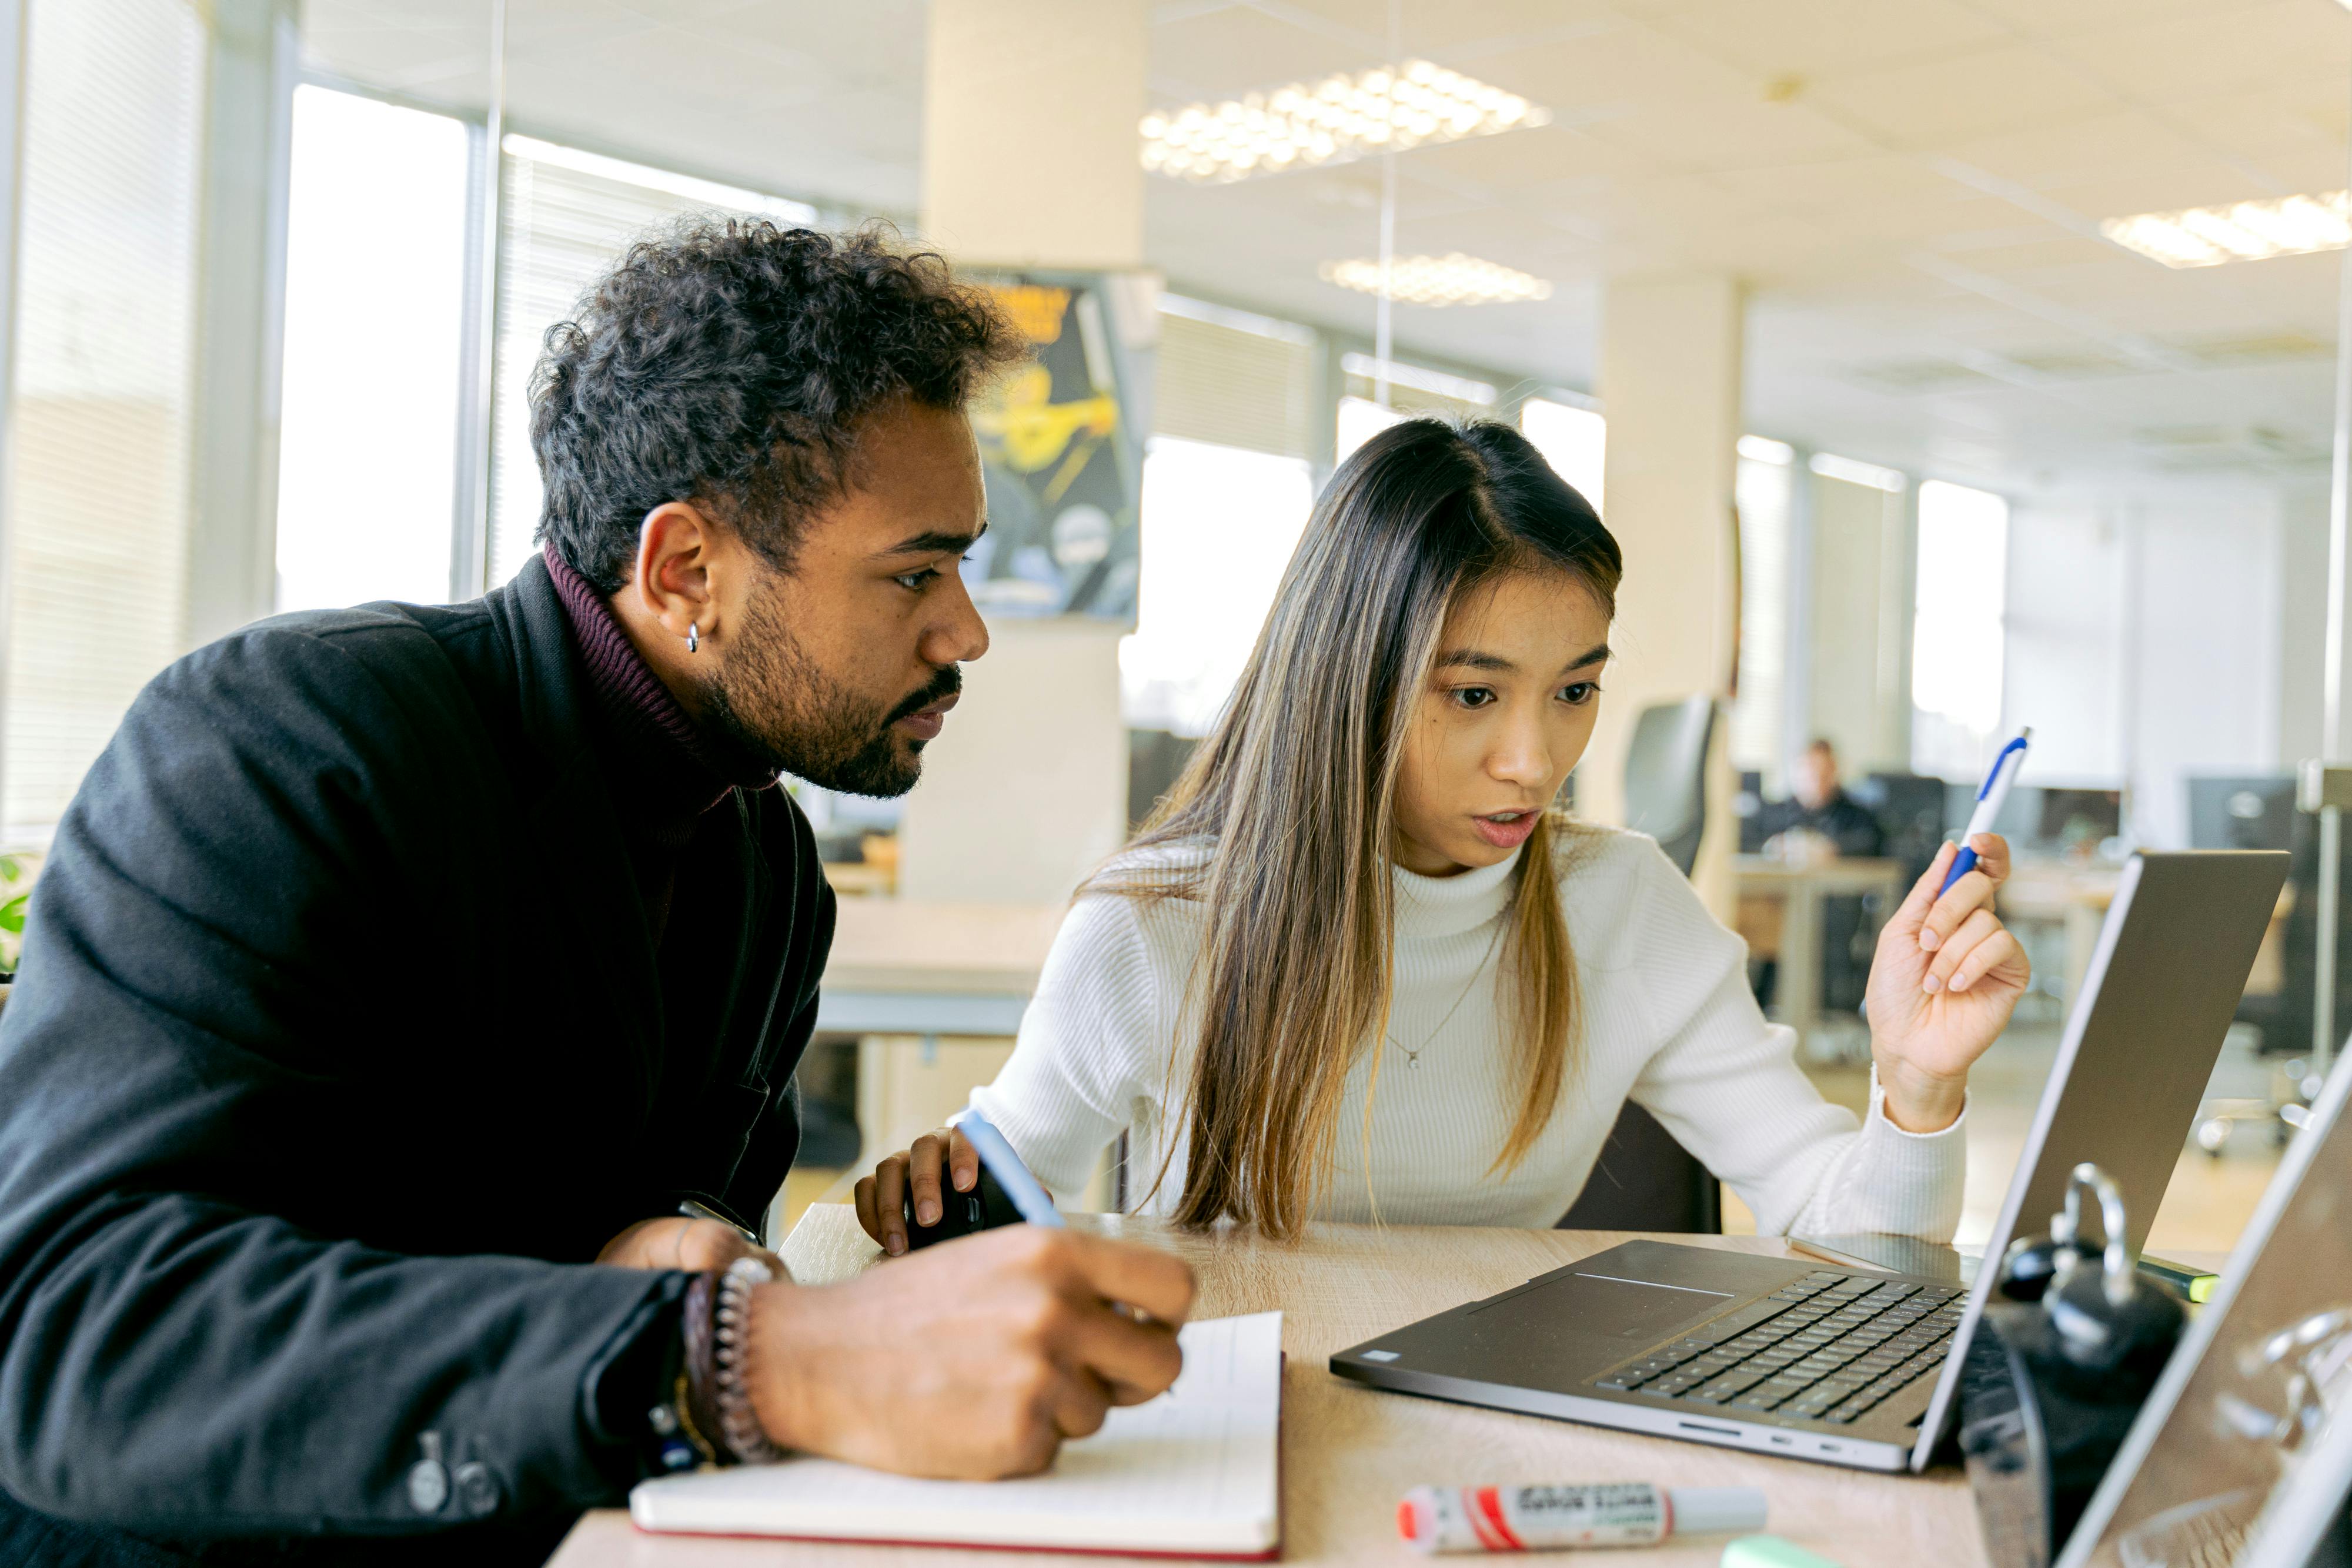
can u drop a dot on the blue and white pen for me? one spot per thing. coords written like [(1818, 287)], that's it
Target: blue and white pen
[(1011, 1175), (1989, 800)]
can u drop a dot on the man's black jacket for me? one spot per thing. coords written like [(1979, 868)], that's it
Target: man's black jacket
[(336, 1052)]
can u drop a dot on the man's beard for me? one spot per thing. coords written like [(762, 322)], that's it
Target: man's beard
[(773, 702)]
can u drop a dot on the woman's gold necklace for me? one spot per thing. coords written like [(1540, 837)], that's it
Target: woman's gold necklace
[(1412, 1052)]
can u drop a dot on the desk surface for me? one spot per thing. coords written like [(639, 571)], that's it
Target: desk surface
[(1832, 873), (910, 946), (1349, 1452)]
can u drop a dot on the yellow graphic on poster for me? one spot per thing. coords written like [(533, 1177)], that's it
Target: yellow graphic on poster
[(1060, 463)]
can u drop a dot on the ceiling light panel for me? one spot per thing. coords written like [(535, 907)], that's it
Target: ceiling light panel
[(1387, 108), (2247, 231), (1450, 280)]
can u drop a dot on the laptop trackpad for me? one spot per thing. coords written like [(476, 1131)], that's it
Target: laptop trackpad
[(1600, 1304)]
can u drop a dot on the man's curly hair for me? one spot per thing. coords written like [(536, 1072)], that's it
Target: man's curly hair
[(729, 362)]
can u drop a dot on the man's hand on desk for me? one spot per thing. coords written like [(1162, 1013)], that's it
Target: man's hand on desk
[(971, 1360), (697, 1246), (1946, 977)]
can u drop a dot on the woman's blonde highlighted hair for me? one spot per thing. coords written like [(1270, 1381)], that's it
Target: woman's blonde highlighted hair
[(1294, 795)]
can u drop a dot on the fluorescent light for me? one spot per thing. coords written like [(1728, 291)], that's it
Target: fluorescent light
[(2245, 231), (1461, 389), (710, 193), (1450, 280), (1388, 109), (1834, 467), (1764, 449)]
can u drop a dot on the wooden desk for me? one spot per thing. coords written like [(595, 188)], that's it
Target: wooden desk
[(1799, 887), (1349, 1452), (904, 974), (905, 966)]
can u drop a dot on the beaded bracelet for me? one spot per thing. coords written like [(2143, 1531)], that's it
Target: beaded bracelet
[(739, 1424)]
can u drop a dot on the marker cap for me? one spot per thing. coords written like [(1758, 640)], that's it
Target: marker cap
[(1700, 1510)]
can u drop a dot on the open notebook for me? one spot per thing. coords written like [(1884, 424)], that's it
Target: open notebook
[(1194, 1473)]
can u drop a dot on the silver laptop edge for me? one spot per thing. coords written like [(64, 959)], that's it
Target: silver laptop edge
[(2054, 1090), (1730, 1432)]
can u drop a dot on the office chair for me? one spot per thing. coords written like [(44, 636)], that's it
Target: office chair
[(1665, 776), (1645, 1180)]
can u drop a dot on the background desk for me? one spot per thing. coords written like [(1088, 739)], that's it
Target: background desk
[(934, 992), (1349, 1452), (904, 966), (1795, 939)]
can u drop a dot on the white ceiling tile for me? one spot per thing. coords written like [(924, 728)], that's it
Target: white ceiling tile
[(1979, 93)]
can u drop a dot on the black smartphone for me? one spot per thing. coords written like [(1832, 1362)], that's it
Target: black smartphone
[(984, 1208)]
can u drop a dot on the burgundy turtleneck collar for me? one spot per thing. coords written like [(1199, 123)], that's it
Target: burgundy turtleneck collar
[(664, 770)]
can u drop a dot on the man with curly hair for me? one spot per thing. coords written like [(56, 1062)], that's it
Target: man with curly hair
[(407, 1012)]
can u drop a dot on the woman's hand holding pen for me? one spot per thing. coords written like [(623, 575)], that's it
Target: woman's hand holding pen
[(1946, 977)]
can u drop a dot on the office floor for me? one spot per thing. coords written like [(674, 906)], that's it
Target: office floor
[(2204, 1208)]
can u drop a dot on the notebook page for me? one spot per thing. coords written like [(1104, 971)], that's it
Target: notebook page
[(1195, 1470)]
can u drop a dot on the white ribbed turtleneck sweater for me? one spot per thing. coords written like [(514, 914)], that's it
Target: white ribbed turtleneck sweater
[(1668, 1021)]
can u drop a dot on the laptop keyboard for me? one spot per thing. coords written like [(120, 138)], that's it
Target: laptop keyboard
[(1828, 1347)]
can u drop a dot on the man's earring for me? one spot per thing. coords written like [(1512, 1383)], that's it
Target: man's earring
[(693, 636)]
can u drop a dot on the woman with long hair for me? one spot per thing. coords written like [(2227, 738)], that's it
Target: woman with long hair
[(1357, 967)]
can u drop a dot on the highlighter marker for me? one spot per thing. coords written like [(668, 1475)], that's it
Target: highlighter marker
[(1535, 1519)]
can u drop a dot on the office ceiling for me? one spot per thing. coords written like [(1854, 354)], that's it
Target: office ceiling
[(1912, 188)]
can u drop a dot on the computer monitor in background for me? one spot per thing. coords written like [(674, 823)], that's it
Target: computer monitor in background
[(2021, 815), (1748, 805), (1910, 811), (2251, 811), (2079, 819)]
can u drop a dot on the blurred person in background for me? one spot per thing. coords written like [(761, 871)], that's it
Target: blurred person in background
[(400, 975), (1818, 806), (1821, 821), (1357, 969)]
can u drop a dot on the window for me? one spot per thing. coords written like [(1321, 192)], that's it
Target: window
[(1412, 390), (1360, 419), (1959, 610), (1232, 379), (564, 216), (1764, 491), (1572, 441), (98, 499), (1220, 524), (375, 286)]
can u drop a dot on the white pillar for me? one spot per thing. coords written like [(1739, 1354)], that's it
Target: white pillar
[(1670, 370), (1030, 149), (1030, 161)]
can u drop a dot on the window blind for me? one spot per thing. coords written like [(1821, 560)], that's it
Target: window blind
[(564, 218), (99, 490), (1763, 491), (1230, 387)]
